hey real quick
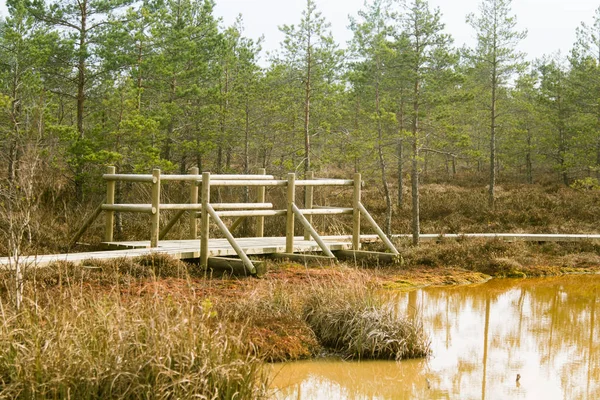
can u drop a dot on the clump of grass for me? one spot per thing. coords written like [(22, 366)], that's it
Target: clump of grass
[(355, 321), (93, 346)]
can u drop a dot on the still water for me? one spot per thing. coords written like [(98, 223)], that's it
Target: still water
[(482, 336)]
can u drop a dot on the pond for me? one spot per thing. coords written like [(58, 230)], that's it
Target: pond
[(546, 330)]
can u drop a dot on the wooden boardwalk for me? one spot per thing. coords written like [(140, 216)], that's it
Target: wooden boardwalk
[(190, 249), (206, 248), (512, 237), (187, 249)]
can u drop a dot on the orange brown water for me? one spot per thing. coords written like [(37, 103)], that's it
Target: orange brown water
[(482, 336)]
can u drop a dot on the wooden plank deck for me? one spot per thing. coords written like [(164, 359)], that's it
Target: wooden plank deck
[(527, 237), (185, 249), (190, 249)]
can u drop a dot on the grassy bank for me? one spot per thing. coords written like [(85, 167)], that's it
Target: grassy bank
[(499, 258), (156, 328)]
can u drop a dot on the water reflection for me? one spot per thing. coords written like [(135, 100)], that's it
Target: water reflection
[(482, 336)]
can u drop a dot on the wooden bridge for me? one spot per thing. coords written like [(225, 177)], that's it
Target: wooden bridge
[(217, 252), (214, 252)]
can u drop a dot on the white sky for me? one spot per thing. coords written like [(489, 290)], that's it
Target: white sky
[(550, 23)]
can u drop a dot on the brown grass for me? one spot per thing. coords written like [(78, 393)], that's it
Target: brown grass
[(500, 258), (89, 345), (354, 320)]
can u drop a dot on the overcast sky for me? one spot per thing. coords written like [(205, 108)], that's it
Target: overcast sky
[(550, 23)]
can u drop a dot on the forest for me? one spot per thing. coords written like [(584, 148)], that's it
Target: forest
[(163, 84)]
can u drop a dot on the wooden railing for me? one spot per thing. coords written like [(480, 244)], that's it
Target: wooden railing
[(202, 207)]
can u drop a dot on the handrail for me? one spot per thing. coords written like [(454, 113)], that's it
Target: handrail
[(217, 206), (229, 180), (137, 208), (198, 178), (128, 178)]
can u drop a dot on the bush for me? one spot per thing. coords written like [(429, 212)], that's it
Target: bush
[(588, 183)]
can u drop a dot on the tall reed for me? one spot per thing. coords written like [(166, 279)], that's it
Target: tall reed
[(92, 345)]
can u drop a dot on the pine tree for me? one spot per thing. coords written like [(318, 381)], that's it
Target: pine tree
[(427, 59), (585, 75), (496, 57), (373, 53), (79, 25), (310, 51)]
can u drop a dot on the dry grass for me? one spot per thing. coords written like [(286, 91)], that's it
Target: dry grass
[(271, 310), (152, 328), (91, 345), (519, 208), (354, 320), (115, 272), (500, 258)]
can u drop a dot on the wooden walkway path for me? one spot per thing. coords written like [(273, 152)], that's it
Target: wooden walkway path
[(206, 248), (526, 237), (187, 249), (190, 249)]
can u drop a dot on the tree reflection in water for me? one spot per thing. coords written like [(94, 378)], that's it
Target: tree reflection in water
[(482, 337)]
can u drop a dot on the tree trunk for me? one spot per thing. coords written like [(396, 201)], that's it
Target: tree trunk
[(562, 150), (245, 226), (400, 155), (453, 167), (414, 172), (400, 151), (171, 127), (307, 96), (414, 176), (492, 183), (382, 166), (118, 215), (528, 162), (13, 147), (81, 77)]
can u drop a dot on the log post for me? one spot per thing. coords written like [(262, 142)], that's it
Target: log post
[(204, 221), (109, 219), (289, 226), (86, 225), (260, 222), (155, 230), (308, 202), (380, 233), (356, 212), (194, 200)]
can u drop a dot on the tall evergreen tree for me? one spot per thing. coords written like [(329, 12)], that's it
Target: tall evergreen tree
[(585, 76), (183, 84), (556, 103), (427, 58), (497, 59), (310, 51), (80, 25), (371, 46)]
